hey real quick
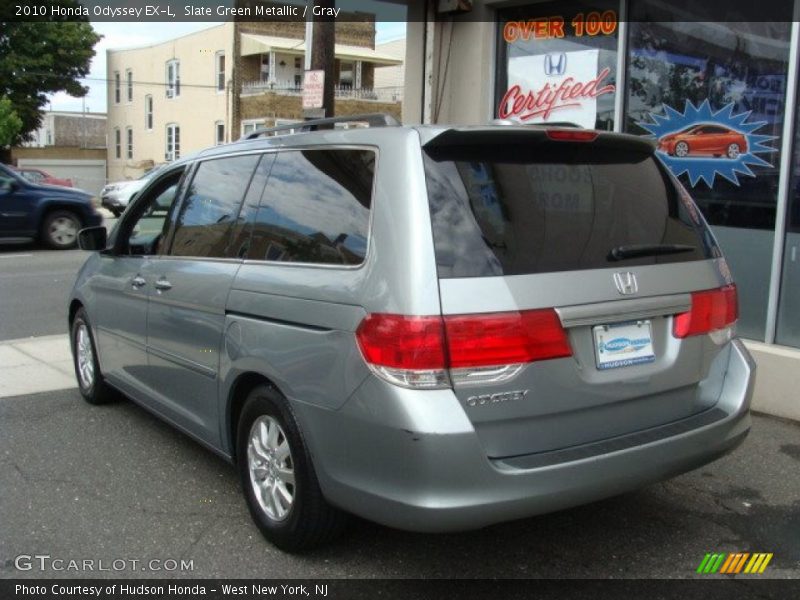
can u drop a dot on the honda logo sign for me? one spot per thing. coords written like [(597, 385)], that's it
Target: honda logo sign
[(555, 65)]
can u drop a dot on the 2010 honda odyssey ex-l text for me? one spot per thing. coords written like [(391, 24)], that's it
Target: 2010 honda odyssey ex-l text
[(435, 328)]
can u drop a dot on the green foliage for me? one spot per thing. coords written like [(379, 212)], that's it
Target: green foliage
[(40, 58), (10, 123)]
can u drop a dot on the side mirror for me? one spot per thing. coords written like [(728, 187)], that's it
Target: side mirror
[(93, 238)]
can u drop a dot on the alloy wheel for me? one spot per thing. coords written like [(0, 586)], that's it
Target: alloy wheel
[(271, 467)]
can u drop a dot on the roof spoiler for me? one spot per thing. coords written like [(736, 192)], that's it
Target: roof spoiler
[(533, 136)]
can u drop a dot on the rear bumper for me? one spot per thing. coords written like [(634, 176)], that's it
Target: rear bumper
[(412, 460)]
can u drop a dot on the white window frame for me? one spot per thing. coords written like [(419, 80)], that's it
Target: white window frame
[(256, 123), (129, 85), (219, 74), (217, 139), (129, 143), (172, 142), (173, 84), (117, 87), (148, 112), (117, 143)]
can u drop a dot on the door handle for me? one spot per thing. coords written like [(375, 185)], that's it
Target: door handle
[(163, 285), (138, 281)]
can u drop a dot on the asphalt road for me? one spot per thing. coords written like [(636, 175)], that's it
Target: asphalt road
[(34, 287), (113, 482)]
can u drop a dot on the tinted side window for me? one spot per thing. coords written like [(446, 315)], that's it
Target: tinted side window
[(315, 208), (211, 206)]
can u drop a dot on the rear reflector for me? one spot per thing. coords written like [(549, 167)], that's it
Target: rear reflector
[(568, 135), (405, 349), (711, 310)]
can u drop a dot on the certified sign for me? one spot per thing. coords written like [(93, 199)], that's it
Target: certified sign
[(313, 84)]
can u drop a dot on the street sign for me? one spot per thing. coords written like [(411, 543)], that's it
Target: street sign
[(313, 84)]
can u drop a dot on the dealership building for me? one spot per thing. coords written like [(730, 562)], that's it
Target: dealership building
[(719, 97)]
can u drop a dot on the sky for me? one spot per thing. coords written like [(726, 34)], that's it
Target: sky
[(124, 35)]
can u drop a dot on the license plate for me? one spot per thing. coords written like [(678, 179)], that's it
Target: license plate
[(623, 344)]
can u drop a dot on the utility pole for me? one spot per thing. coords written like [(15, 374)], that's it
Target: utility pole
[(322, 50)]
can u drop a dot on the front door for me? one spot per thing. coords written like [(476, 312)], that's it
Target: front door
[(122, 288), (189, 290), (16, 208)]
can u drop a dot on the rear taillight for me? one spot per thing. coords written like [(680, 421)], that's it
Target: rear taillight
[(432, 351), (569, 135), (712, 311)]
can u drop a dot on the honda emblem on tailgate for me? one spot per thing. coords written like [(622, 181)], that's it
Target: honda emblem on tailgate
[(626, 283)]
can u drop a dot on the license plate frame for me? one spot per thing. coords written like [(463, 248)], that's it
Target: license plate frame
[(626, 344)]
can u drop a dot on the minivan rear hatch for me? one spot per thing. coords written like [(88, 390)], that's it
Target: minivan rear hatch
[(584, 240)]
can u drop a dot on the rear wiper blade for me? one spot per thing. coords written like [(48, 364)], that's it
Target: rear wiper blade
[(640, 250)]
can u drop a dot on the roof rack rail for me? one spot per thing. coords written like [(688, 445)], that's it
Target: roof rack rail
[(372, 119)]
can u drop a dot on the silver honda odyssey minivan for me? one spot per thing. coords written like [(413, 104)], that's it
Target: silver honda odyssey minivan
[(432, 327)]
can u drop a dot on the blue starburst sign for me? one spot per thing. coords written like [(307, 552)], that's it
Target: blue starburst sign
[(703, 143)]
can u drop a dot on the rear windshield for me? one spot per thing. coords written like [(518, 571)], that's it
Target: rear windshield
[(508, 210)]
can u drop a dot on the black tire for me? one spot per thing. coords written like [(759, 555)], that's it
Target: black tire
[(59, 239), (98, 392), (310, 521)]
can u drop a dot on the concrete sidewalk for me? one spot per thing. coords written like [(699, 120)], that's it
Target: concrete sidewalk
[(33, 365), (44, 364)]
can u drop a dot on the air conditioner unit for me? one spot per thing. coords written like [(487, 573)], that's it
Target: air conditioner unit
[(169, 156), (170, 92)]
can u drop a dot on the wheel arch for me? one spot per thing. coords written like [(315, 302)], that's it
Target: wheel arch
[(74, 307), (242, 386)]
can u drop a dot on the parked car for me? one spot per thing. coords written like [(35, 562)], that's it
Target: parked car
[(52, 215), (704, 140), (116, 196), (436, 328), (42, 177)]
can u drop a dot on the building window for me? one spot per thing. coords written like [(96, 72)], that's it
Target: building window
[(129, 82), (129, 142), (298, 62), (173, 78), (685, 81), (582, 63), (173, 148), (116, 87), (148, 112), (117, 143), (264, 67), (251, 126), (219, 132), (219, 65)]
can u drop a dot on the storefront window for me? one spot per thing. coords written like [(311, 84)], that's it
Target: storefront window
[(557, 63), (713, 96), (788, 326)]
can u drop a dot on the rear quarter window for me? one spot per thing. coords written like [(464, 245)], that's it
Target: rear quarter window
[(315, 208)]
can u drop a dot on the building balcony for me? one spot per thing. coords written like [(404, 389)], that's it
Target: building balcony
[(341, 92)]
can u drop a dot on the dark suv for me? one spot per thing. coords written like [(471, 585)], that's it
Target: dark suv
[(50, 214)]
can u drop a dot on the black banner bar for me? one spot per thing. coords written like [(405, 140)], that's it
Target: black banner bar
[(343, 589)]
